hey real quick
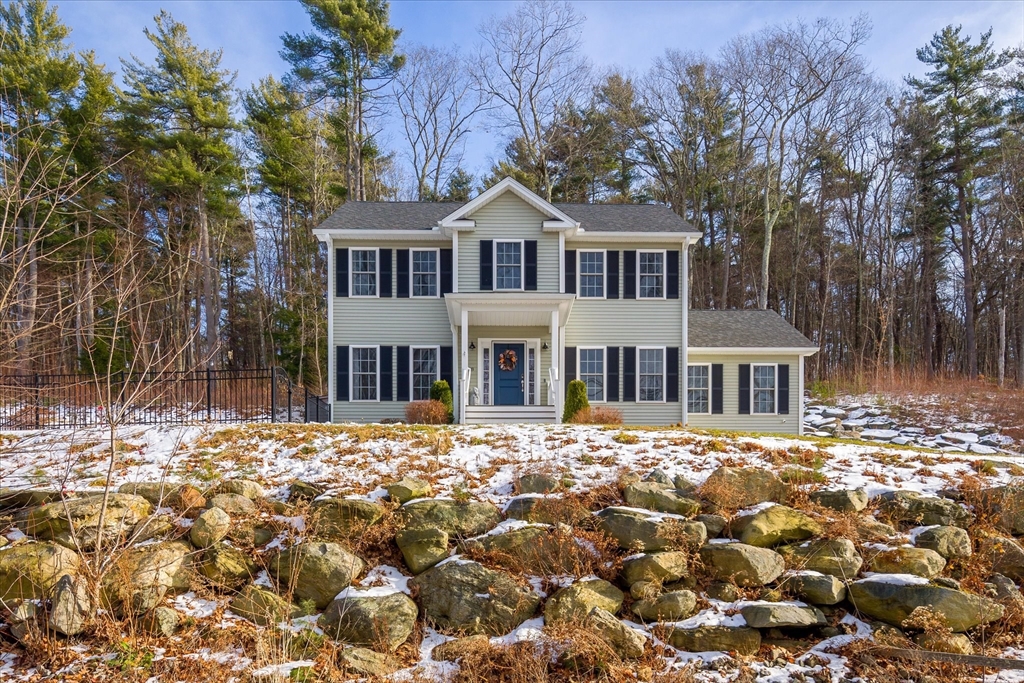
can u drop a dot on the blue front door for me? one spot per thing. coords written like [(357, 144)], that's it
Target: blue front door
[(509, 372)]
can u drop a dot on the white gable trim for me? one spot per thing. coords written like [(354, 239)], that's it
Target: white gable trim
[(559, 222)]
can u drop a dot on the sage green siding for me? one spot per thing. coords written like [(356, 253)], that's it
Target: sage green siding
[(508, 217), (731, 418)]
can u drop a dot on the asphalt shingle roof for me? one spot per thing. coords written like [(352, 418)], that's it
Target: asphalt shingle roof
[(738, 329), (425, 215)]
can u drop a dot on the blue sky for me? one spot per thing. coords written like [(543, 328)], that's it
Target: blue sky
[(625, 34)]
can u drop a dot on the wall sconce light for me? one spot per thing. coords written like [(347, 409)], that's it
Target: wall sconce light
[(472, 345), (545, 346)]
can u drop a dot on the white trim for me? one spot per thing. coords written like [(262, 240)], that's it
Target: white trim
[(775, 387), (561, 263), (426, 234), (604, 369), (457, 219), (800, 402), (376, 274), (584, 236), (455, 263), (754, 350), (684, 298), (352, 373), (332, 290), (463, 362), (686, 386), (494, 266), (664, 373), (664, 274), (488, 343), (604, 274), (412, 373), (437, 273)]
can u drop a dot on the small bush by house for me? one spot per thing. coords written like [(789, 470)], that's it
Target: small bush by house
[(598, 415), (440, 391), (575, 400), (427, 412)]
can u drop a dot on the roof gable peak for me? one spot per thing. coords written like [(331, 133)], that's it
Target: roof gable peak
[(559, 221)]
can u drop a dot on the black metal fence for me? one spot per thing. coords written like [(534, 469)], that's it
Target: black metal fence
[(217, 396)]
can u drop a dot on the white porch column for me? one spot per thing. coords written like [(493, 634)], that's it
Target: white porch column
[(556, 365), (800, 403), (464, 364), (684, 352)]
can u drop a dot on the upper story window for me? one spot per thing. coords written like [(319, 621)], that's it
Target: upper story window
[(651, 274), (651, 374), (698, 389), (508, 265), (364, 272), (424, 273), (364, 373), (591, 371), (592, 274), (763, 389)]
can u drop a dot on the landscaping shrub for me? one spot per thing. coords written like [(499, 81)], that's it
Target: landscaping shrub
[(598, 415), (575, 400), (440, 391), (427, 412)]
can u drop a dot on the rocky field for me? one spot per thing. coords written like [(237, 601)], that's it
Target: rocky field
[(520, 553)]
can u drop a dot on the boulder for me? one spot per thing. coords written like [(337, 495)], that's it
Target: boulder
[(144, 574), (161, 621), (954, 643), (891, 598), (671, 606), (315, 571), (742, 640), (23, 619), (263, 606), (543, 510), (654, 496), (539, 483), (538, 548), (30, 571), (657, 476), (916, 508), (739, 487), (458, 520), (744, 565), (374, 617), (235, 504), (870, 529), (715, 524), (227, 567), (575, 602), (949, 541), (772, 525), (408, 488), (628, 643), (368, 663), (210, 528), (1005, 554), (467, 597), (683, 484), (663, 567), (158, 493), (300, 490), (187, 501), (916, 561), (243, 487), (71, 607), (80, 521), (816, 588), (422, 548), (849, 500), (11, 499), (782, 615), (837, 557), (636, 529)]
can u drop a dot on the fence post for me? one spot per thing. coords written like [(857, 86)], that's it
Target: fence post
[(209, 394), (35, 382), (273, 394), (289, 399)]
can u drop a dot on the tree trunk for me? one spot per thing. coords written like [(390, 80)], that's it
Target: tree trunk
[(967, 247)]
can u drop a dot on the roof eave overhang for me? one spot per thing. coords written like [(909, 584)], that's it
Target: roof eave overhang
[(430, 234), (754, 350), (608, 236), (509, 302)]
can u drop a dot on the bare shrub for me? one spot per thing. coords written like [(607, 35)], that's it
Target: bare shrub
[(430, 412), (598, 415)]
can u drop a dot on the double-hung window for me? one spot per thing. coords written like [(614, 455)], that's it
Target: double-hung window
[(591, 267), (651, 274), (424, 371), (763, 389), (508, 265), (591, 372), (698, 389), (364, 373), (650, 375), (364, 272), (424, 272)]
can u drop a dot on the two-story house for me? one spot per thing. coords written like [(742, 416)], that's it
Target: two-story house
[(509, 297)]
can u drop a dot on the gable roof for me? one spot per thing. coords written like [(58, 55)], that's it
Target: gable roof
[(737, 329)]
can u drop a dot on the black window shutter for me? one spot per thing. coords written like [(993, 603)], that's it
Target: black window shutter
[(611, 391), (530, 265), (672, 374), (717, 389), (402, 273), (385, 273), (629, 275), (672, 274), (570, 365), (447, 362), (570, 271), (403, 374), (486, 265), (387, 377), (744, 389), (783, 394), (612, 286), (446, 271), (629, 373), (341, 373), (341, 272)]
